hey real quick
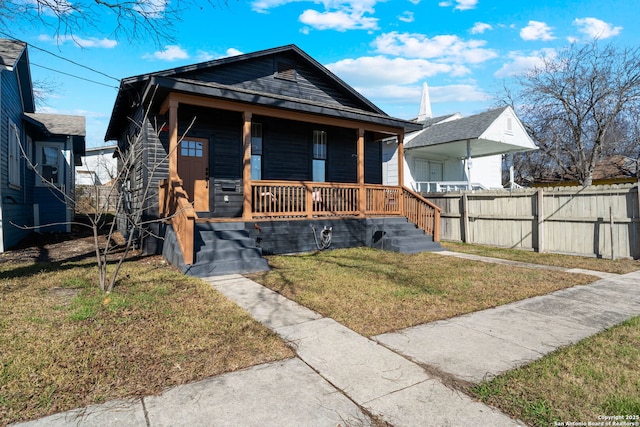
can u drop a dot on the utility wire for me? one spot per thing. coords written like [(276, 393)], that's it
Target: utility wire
[(74, 76), (68, 60), (74, 63)]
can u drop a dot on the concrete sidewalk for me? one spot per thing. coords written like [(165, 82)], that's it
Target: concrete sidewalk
[(341, 378)]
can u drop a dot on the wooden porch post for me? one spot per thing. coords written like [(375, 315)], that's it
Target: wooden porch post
[(362, 199), (173, 140), (401, 170), (246, 166)]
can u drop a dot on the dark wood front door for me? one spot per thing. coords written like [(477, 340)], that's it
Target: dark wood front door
[(193, 168)]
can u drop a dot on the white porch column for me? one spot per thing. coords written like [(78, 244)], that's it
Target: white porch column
[(468, 164)]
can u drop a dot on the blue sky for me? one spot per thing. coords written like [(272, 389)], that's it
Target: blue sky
[(463, 49)]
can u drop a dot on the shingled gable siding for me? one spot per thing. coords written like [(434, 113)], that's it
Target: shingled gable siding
[(260, 74), (17, 203)]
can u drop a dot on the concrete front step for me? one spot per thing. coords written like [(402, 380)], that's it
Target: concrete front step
[(400, 235)]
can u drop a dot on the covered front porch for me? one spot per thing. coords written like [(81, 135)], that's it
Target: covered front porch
[(196, 199)]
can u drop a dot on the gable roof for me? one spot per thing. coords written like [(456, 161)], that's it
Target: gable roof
[(60, 125), (185, 79), (480, 130), (462, 129), (14, 58), (10, 52)]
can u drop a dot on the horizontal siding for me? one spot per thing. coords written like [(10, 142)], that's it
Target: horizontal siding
[(17, 203), (287, 150), (258, 74)]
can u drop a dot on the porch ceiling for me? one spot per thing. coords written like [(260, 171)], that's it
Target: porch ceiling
[(458, 149)]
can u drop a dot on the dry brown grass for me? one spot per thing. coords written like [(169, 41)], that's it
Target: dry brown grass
[(619, 266), (65, 345), (597, 377), (373, 292)]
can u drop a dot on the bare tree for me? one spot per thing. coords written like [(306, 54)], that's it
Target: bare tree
[(135, 198), (134, 19), (576, 106)]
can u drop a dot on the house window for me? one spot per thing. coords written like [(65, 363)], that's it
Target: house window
[(319, 155), (256, 151), (49, 161), (191, 148), (14, 154)]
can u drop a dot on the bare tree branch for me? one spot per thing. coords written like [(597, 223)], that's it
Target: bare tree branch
[(575, 106)]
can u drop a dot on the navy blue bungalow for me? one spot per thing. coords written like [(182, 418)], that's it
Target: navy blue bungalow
[(266, 152), (52, 143)]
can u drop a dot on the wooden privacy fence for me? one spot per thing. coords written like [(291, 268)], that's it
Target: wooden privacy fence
[(601, 221), (92, 198)]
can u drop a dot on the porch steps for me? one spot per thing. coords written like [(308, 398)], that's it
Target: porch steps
[(397, 234), (224, 248)]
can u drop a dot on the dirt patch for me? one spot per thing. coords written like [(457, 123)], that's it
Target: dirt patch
[(57, 247)]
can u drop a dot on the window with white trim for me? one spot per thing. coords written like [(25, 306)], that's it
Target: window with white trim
[(14, 154), (319, 155), (49, 161)]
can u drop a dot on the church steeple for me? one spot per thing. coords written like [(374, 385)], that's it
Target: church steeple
[(425, 105)]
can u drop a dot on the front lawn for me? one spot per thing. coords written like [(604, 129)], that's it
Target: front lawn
[(591, 382), (619, 266), (65, 345), (373, 292)]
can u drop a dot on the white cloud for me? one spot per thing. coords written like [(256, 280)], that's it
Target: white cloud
[(371, 71), (340, 15), (204, 56), (595, 28), (340, 20), (537, 30), (520, 63), (480, 27), (233, 52), (263, 6), (448, 48), (460, 4), (80, 42), (151, 8), (406, 16), (170, 53)]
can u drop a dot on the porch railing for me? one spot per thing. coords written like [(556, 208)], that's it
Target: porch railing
[(302, 199), (445, 186), (423, 213), (175, 207)]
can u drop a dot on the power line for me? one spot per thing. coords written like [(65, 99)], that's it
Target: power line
[(68, 60), (75, 63), (74, 76)]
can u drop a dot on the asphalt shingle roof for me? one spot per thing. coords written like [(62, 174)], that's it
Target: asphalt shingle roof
[(59, 124), (10, 51), (456, 130)]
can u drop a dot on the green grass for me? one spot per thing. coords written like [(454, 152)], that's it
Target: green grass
[(373, 292), (619, 266), (65, 344), (597, 377)]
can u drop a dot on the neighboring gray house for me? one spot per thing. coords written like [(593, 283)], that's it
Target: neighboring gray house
[(99, 166), (51, 142)]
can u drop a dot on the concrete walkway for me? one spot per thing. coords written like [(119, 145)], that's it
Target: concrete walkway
[(341, 378)]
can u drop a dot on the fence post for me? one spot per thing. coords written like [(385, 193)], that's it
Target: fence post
[(611, 229), (540, 206), (465, 218)]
